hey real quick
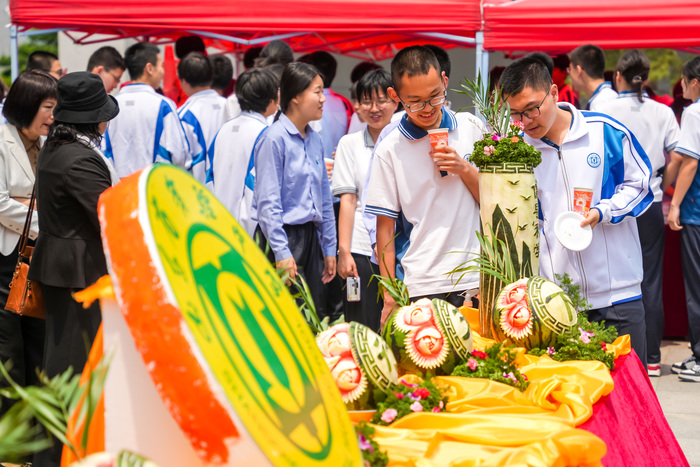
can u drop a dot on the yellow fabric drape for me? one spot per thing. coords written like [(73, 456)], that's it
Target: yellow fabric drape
[(493, 424)]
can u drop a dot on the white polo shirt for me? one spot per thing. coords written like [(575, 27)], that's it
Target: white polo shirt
[(349, 174), (232, 174), (442, 212), (202, 115), (654, 125), (603, 93)]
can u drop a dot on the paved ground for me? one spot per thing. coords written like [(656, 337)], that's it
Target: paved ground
[(680, 400)]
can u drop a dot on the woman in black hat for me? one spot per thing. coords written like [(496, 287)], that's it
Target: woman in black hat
[(72, 173)]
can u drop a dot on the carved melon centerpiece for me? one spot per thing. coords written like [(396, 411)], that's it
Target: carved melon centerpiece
[(428, 336), (532, 312), (360, 362)]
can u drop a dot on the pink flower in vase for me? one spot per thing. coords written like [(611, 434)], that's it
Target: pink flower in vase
[(518, 124), (389, 415), (496, 137), (472, 364), (416, 407), (488, 150)]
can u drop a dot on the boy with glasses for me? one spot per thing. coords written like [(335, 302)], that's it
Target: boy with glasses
[(441, 212), (586, 151)]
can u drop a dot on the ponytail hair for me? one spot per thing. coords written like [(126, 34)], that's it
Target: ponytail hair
[(634, 67), (296, 78)]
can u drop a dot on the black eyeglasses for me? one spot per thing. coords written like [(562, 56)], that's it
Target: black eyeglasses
[(418, 106), (531, 113)]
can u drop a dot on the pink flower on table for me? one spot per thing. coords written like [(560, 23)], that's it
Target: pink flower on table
[(496, 137), (585, 336), (550, 351), (399, 395), (442, 404), (403, 381), (416, 407), (364, 444), (436, 409), (472, 364), (480, 354), (604, 346), (488, 150), (511, 376), (389, 415)]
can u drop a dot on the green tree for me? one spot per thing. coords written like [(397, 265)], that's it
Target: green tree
[(45, 42)]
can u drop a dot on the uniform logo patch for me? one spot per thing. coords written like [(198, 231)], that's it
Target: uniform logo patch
[(593, 160)]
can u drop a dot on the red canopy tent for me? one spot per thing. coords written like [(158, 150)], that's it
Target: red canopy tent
[(363, 28), (562, 25)]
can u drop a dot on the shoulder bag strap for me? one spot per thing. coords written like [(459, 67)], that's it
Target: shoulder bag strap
[(28, 223)]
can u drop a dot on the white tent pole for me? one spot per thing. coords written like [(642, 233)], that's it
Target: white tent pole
[(480, 61), (14, 53)]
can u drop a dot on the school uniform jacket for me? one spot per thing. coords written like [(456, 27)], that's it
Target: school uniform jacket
[(601, 154)]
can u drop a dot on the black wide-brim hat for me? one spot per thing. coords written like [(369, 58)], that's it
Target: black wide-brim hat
[(82, 99)]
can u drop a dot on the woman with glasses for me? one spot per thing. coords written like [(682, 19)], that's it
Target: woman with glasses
[(349, 175), (292, 197), (657, 131)]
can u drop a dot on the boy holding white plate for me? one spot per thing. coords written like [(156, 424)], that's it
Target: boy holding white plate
[(587, 157)]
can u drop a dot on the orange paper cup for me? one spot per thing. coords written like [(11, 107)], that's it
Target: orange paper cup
[(582, 200), (438, 137)]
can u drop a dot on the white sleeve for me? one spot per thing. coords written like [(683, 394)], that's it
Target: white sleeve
[(232, 108), (689, 141), (625, 191), (673, 131), (382, 190), (343, 180)]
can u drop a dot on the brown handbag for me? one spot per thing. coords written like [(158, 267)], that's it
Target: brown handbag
[(25, 296)]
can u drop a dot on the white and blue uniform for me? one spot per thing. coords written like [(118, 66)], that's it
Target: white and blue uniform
[(147, 130), (232, 173), (689, 145), (202, 116), (600, 154), (438, 213), (657, 130), (603, 93)]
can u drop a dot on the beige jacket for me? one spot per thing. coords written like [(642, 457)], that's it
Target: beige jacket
[(16, 181)]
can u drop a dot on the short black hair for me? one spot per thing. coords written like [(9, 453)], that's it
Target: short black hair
[(442, 56), (412, 61), (361, 69), (41, 60), (255, 88), (374, 81), (275, 52), (222, 71), (107, 57), (195, 69), (185, 45), (591, 59), (250, 56), (138, 55), (323, 62), (544, 58), (25, 96), (528, 72)]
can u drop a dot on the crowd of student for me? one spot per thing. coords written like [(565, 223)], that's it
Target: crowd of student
[(332, 188)]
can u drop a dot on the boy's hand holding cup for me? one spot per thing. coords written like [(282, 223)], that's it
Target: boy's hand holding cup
[(438, 137)]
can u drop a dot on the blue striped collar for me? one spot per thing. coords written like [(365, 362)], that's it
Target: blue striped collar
[(623, 94), (413, 132)]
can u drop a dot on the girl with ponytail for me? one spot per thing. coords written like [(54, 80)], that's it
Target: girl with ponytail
[(656, 129), (685, 215), (292, 198)]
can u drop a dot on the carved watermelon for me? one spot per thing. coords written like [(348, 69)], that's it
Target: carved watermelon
[(360, 362), (428, 336), (532, 312)]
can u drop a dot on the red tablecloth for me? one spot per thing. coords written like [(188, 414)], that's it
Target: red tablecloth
[(631, 422)]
